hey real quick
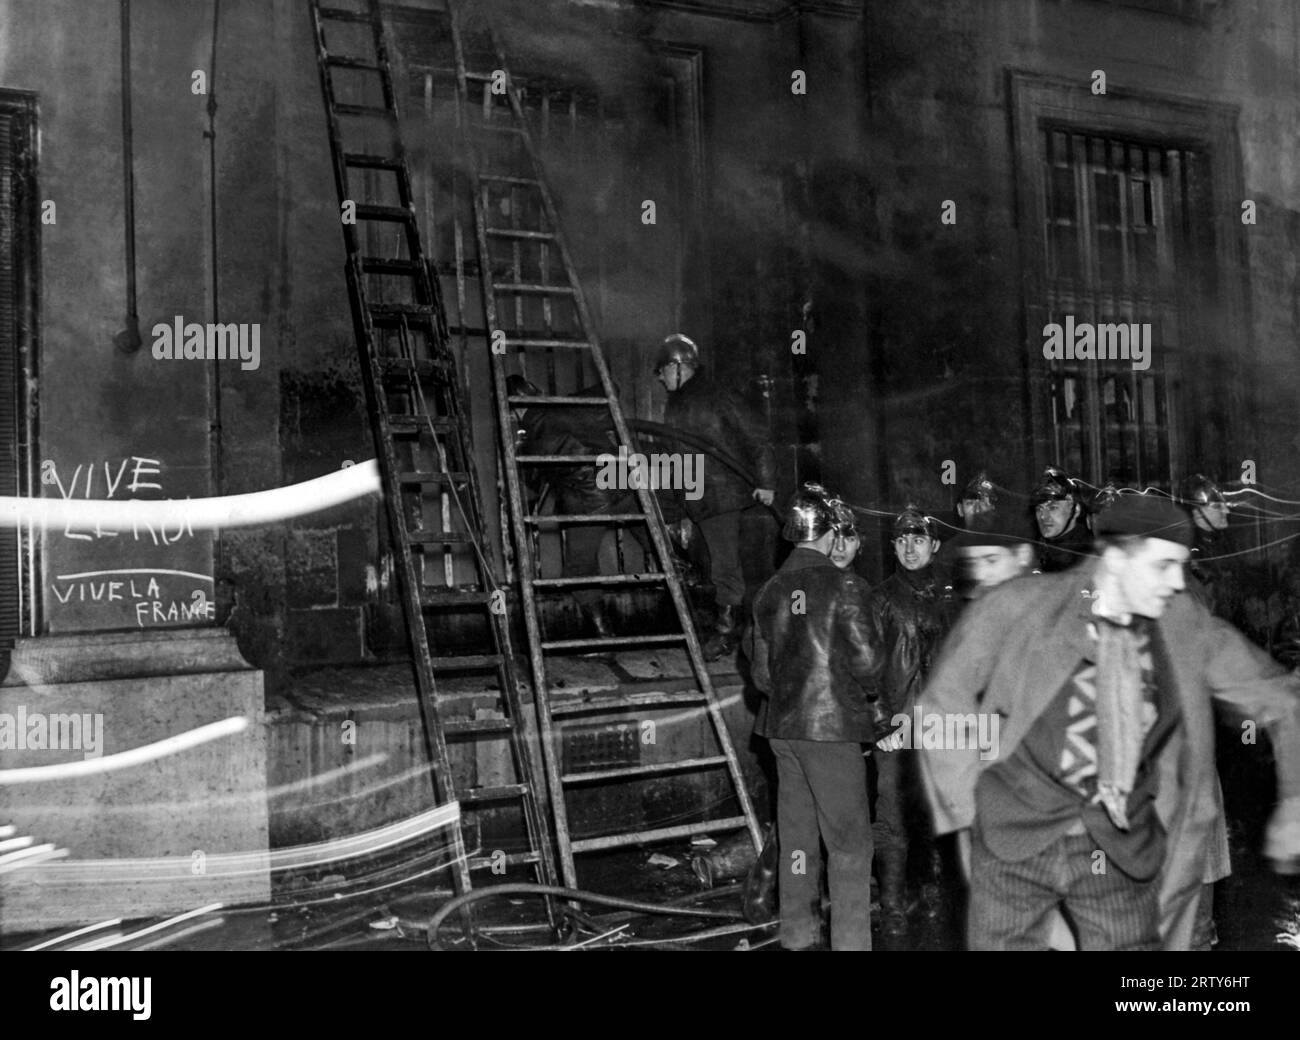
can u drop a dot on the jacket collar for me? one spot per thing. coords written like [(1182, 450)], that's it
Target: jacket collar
[(800, 558)]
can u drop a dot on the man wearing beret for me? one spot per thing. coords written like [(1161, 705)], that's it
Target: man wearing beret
[(1099, 797)]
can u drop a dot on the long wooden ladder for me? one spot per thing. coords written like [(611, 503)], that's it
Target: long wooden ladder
[(533, 317), (431, 493)]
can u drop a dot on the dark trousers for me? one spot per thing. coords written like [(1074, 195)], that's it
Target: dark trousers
[(582, 545), (721, 534), (821, 796), (1012, 904)]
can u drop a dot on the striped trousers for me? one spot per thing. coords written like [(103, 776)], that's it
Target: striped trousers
[(1012, 904)]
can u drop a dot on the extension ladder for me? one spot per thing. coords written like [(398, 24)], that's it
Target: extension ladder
[(539, 317), (431, 494)]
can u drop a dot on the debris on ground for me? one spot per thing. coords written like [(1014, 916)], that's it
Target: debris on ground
[(658, 859)]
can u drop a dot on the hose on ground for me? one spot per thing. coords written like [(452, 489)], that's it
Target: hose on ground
[(457, 904)]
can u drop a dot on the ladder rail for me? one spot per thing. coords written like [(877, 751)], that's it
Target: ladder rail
[(451, 417), (646, 500)]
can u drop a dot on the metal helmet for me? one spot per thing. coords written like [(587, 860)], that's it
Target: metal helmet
[(981, 489), (912, 521), (1104, 499), (811, 513), (1199, 490), (677, 350), (519, 386), (846, 521), (1055, 486)]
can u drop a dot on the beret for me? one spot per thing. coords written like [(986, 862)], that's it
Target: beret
[(1147, 516)]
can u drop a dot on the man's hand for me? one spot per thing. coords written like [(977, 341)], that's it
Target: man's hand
[(893, 742), (1282, 837), (682, 532), (764, 496)]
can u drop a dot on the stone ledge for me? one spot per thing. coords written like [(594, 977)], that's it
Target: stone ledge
[(148, 653)]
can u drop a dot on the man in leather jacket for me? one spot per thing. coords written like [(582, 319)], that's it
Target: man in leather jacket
[(910, 612), (700, 406), (811, 655)]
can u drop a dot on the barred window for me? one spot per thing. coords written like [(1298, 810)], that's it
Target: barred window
[(1121, 219)]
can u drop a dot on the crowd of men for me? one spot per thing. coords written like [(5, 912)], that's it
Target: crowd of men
[(1073, 651), (1094, 819)]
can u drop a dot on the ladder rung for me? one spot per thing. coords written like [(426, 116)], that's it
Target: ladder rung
[(393, 367), (601, 579), (452, 598), (370, 211), (465, 662), (418, 477), (397, 421), (342, 14), (501, 178), (391, 312), (631, 700), (471, 727), (363, 110), (573, 344), (540, 236), (437, 538), (614, 841), (533, 287), (582, 518), (511, 860), (545, 399), (389, 265), (492, 794), (646, 770), (581, 644), (364, 161), (346, 61), (541, 460)]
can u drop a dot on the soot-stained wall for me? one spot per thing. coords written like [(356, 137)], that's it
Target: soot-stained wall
[(815, 212)]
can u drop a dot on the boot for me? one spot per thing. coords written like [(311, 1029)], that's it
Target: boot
[(891, 866), (726, 636)]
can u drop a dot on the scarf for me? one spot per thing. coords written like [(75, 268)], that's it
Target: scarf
[(1119, 717)]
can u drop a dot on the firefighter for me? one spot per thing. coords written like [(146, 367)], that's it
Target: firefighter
[(581, 430), (978, 497), (1058, 511), (700, 406), (813, 660), (910, 612)]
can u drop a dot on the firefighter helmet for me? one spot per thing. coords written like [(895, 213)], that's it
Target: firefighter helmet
[(811, 513), (1104, 499), (677, 350), (1056, 486), (1199, 490), (912, 521), (846, 522), (982, 490)]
